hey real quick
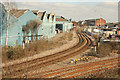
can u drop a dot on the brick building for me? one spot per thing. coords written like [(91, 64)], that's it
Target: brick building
[(95, 22), (100, 22)]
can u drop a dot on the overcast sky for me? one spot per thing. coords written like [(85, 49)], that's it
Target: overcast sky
[(77, 10)]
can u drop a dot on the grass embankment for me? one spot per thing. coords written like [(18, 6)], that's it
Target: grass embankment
[(13, 53)]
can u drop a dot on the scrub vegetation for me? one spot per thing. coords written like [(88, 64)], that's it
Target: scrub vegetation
[(104, 50), (109, 73), (12, 53)]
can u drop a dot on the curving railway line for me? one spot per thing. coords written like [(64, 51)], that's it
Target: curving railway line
[(79, 70), (19, 70)]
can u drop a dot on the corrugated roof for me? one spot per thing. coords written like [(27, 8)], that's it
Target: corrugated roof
[(93, 19), (53, 16), (48, 16), (18, 13), (41, 15), (60, 19), (34, 11)]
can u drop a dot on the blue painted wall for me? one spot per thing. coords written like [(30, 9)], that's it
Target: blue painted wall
[(47, 29), (13, 29), (15, 33), (25, 18), (64, 28), (67, 25)]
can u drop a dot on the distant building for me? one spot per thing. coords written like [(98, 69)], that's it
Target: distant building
[(95, 22), (110, 25), (100, 22), (118, 31), (90, 22)]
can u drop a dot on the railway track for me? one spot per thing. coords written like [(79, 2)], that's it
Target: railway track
[(95, 68), (19, 70), (79, 70)]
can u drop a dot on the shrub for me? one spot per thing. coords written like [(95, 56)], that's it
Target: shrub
[(104, 50), (13, 53), (92, 53), (10, 54)]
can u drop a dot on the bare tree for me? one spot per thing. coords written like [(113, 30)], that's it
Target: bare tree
[(30, 27)]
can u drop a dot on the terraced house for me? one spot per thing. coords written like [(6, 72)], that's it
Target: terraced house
[(24, 26)]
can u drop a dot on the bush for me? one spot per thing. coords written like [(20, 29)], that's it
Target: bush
[(92, 53), (104, 50), (13, 53), (115, 46), (10, 54)]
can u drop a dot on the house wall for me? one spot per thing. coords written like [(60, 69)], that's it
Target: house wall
[(14, 32), (70, 25), (66, 25), (3, 19), (40, 31), (24, 19), (44, 29), (52, 27), (3, 25), (47, 28)]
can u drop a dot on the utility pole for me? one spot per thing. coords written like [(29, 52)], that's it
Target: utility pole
[(9, 6), (7, 27), (7, 3)]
